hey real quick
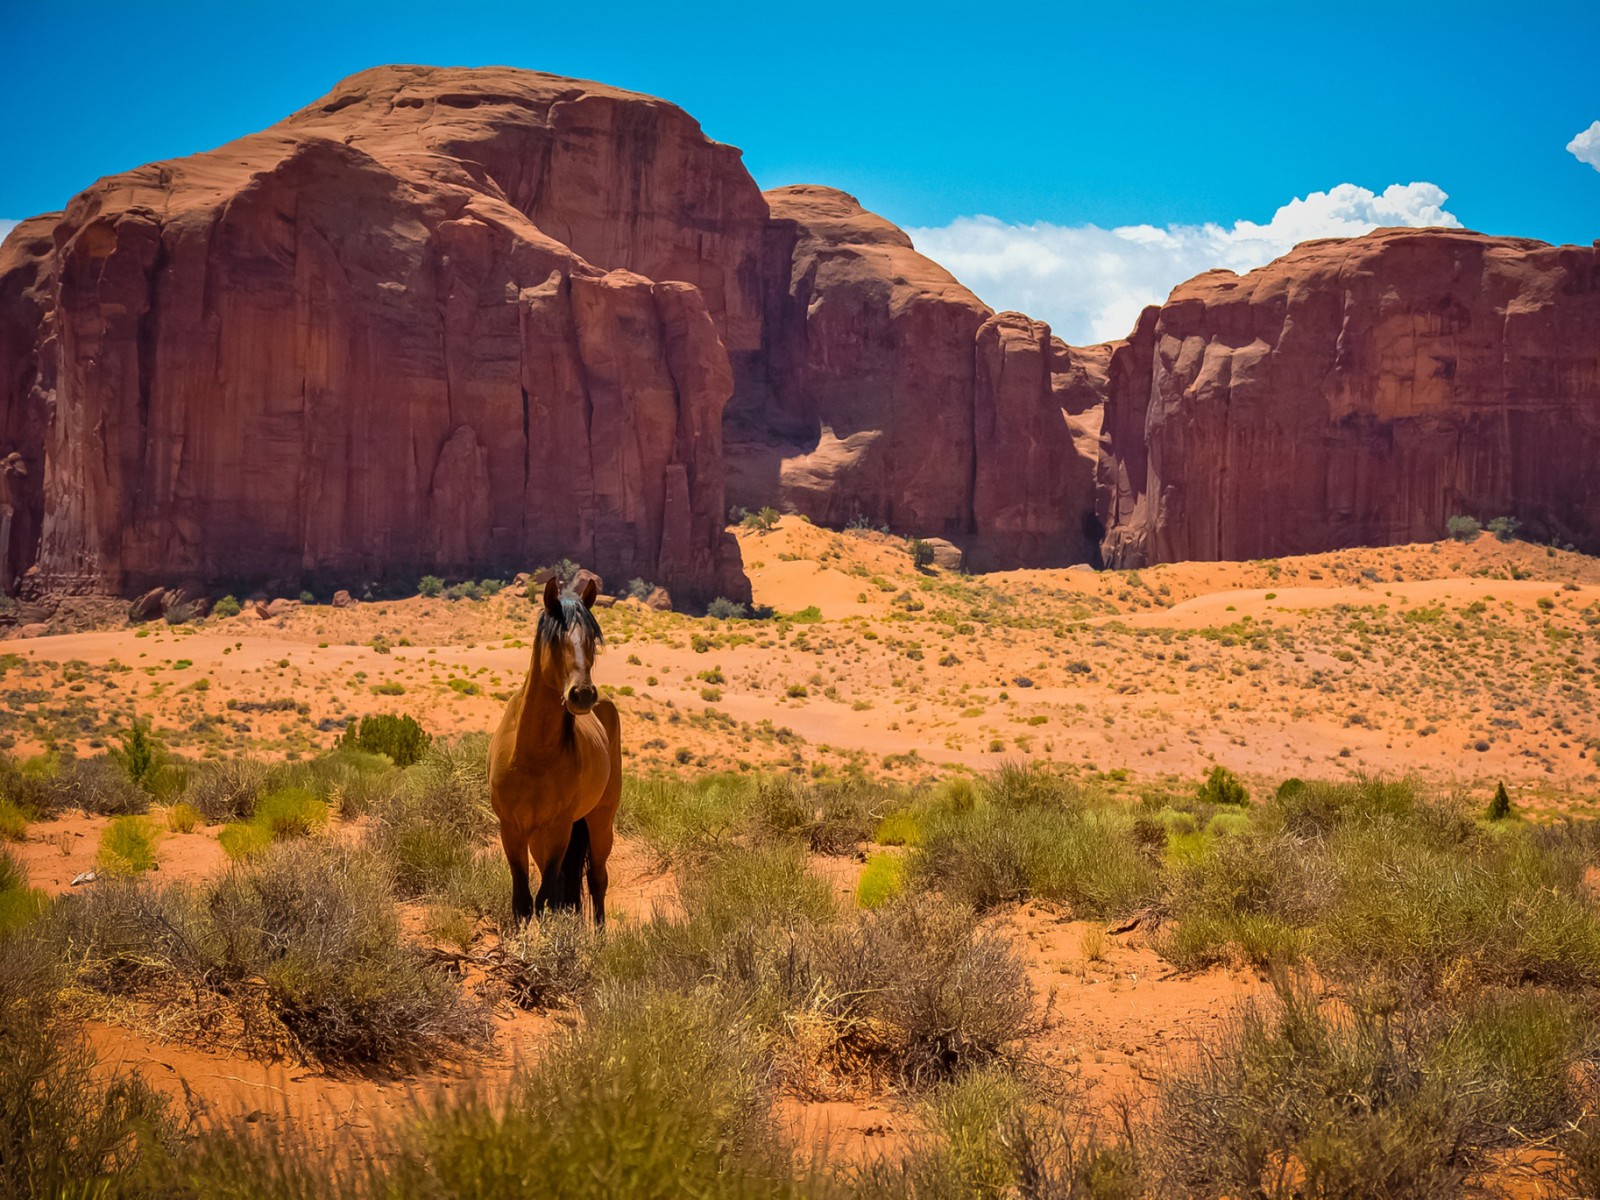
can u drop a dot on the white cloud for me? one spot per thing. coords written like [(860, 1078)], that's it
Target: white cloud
[(6, 227), (1090, 283), (1586, 146)]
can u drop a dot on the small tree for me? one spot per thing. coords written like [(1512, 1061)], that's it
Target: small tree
[(228, 606), (1500, 806), (1504, 528), (431, 585), (761, 521), (921, 554), (138, 753), (1463, 529), (401, 738), (1222, 786), (725, 610)]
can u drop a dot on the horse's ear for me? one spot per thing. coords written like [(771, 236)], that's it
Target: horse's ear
[(552, 595), (588, 592)]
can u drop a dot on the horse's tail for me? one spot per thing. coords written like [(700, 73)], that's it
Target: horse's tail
[(574, 865)]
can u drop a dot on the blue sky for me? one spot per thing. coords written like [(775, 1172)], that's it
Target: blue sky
[(1038, 117)]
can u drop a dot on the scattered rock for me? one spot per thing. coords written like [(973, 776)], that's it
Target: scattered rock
[(37, 629), (582, 577), (659, 599), (85, 877), (147, 607), (281, 607), (342, 599), (947, 556)]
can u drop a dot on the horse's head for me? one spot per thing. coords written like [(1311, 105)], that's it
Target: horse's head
[(568, 637)]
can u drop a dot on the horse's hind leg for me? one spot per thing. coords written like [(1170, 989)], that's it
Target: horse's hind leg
[(516, 848), (600, 839), (572, 863)]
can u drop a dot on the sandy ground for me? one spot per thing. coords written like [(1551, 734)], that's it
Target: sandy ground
[(1463, 665)]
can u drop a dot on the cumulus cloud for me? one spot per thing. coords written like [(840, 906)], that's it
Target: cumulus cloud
[(1586, 146), (1090, 283)]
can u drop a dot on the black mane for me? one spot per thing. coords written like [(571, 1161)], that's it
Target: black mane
[(553, 626)]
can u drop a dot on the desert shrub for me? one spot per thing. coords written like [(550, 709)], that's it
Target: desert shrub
[(547, 962), (399, 737), (228, 606), (1315, 809), (13, 821), (1085, 857), (228, 790), (674, 817), (353, 782), (921, 554), (20, 904), (302, 945), (1504, 528), (1222, 786), (95, 785), (183, 818), (287, 812), (917, 988), (67, 1127), (673, 1086), (640, 589), (724, 609), (432, 825), (430, 585), (127, 846), (1247, 895), (1507, 909), (1463, 528), (882, 880), (830, 816), (1309, 1097), (761, 520)]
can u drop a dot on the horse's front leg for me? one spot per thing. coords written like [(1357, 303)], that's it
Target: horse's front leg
[(516, 848)]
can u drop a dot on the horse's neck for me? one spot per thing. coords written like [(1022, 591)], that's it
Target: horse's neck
[(542, 724)]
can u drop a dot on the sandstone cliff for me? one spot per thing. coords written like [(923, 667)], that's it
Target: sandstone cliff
[(893, 395), (1358, 392), (471, 320), (439, 320)]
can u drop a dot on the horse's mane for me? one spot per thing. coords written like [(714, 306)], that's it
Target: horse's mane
[(553, 626)]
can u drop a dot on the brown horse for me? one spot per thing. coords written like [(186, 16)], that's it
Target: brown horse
[(555, 764)]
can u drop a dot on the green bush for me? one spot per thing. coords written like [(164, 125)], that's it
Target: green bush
[(183, 818), (761, 520), (1462, 528), (883, 879), (127, 846), (921, 554), (13, 822), (228, 790), (1222, 786), (430, 585), (1504, 528), (228, 606), (20, 904), (725, 610), (400, 737), (431, 825)]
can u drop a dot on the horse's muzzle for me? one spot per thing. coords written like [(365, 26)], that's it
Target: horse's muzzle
[(582, 698)]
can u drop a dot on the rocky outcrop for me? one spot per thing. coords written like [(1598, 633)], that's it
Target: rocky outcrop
[(1358, 392), (464, 321), (440, 320), (893, 395)]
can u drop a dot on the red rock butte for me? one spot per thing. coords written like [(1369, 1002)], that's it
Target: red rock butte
[(452, 321)]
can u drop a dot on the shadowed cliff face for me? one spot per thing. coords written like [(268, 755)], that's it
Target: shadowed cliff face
[(1358, 392), (368, 342), (473, 320), (893, 395)]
